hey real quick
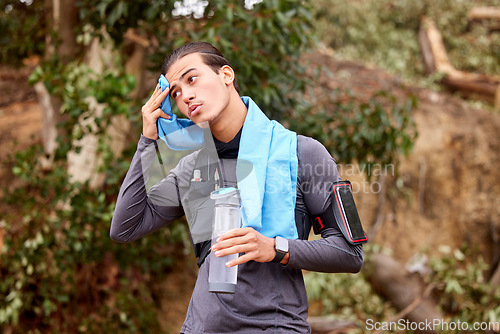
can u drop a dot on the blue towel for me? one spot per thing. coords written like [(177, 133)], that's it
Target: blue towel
[(266, 169), (179, 133), (268, 192)]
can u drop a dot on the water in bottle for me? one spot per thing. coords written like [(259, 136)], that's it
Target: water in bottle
[(227, 216)]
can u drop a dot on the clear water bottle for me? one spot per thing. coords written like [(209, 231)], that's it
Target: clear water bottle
[(227, 216)]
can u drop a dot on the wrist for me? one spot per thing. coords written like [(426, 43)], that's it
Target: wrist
[(150, 135), (146, 139)]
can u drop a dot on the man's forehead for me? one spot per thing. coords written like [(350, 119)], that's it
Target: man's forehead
[(183, 64)]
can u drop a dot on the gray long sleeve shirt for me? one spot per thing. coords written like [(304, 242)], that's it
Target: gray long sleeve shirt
[(269, 297)]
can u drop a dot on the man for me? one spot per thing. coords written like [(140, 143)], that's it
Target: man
[(291, 184)]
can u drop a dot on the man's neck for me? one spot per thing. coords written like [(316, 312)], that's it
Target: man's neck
[(230, 120)]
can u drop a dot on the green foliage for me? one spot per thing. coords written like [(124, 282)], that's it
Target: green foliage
[(269, 66), (264, 46), (57, 259), (462, 288), (23, 30), (458, 277), (116, 16), (385, 32), (78, 87), (371, 133), (347, 296)]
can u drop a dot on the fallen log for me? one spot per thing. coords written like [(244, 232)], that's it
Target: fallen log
[(432, 47), (483, 89), (327, 325), (406, 291), (483, 13), (481, 86)]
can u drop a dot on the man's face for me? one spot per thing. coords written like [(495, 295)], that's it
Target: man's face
[(199, 92)]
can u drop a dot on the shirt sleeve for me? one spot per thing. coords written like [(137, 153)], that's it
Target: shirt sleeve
[(332, 253), (139, 212)]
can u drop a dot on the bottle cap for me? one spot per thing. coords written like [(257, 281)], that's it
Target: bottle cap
[(226, 196)]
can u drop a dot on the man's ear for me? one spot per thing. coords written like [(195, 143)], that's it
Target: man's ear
[(227, 74)]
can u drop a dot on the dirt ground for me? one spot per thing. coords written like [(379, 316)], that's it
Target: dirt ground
[(447, 191)]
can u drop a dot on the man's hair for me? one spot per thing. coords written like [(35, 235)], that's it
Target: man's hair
[(209, 53)]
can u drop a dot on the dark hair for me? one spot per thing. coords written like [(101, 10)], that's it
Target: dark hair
[(209, 53)]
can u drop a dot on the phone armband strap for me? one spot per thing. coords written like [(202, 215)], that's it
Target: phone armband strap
[(342, 212)]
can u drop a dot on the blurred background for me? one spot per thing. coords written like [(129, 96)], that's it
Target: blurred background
[(404, 94)]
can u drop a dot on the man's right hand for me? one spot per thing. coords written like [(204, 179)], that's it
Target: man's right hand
[(151, 111)]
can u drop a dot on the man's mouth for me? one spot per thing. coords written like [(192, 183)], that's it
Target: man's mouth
[(194, 109)]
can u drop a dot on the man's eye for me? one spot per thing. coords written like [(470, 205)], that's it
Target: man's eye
[(175, 94)]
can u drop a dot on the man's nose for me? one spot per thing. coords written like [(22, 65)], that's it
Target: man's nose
[(189, 95)]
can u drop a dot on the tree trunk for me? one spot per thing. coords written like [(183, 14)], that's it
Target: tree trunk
[(83, 165), (62, 17), (66, 21), (49, 118)]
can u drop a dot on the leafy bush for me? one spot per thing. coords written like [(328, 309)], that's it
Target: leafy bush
[(461, 290), (23, 30), (347, 296), (370, 133), (60, 272)]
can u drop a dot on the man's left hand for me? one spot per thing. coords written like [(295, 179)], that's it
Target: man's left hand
[(256, 246)]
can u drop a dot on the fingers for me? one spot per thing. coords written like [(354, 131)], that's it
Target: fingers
[(156, 98), (240, 260), (164, 115), (256, 246), (152, 117), (161, 96), (236, 233), (236, 241), (234, 246), (151, 112)]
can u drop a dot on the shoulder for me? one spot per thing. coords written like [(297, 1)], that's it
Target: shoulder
[(309, 150), (316, 165)]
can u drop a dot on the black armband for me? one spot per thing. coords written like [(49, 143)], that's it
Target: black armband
[(343, 213)]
